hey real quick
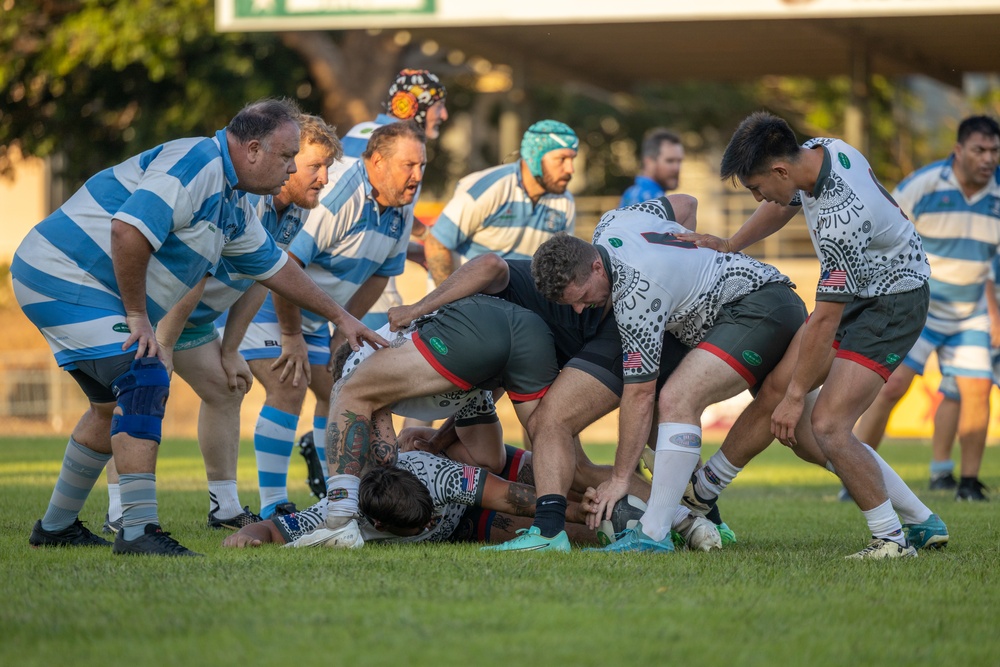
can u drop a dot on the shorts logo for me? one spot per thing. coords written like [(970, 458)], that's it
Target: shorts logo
[(752, 358), (615, 242), (121, 327), (686, 440), (271, 343), (892, 358), (843, 160), (438, 345), (337, 494)]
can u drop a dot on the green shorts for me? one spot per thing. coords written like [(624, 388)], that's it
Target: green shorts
[(485, 342), (751, 334), (196, 336), (878, 332)]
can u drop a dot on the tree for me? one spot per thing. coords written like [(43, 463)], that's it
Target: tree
[(99, 80)]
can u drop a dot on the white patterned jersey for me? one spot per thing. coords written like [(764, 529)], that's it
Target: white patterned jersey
[(866, 245), (660, 284), (453, 487), (960, 236)]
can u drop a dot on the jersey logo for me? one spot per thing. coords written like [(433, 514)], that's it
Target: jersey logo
[(615, 242), (843, 160)]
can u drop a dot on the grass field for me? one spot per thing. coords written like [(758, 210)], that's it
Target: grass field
[(783, 595)]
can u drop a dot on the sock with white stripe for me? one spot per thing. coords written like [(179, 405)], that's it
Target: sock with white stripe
[(138, 503), (80, 469), (273, 440)]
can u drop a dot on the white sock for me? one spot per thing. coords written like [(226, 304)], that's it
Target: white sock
[(678, 450), (883, 523), (223, 501), (114, 502), (341, 499), (906, 504), (714, 476)]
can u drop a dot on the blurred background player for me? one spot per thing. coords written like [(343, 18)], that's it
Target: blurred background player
[(661, 155)]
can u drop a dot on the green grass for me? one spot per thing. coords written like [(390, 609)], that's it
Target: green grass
[(783, 595)]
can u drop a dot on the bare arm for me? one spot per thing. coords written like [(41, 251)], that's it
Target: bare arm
[(685, 210), (486, 274), (766, 220), (519, 499), (439, 259), (634, 421), (292, 283), (130, 253), (294, 357), (171, 325)]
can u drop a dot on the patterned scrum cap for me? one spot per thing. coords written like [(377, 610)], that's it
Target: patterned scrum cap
[(412, 93), (543, 137)]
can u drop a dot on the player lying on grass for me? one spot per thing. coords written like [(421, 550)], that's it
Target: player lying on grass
[(425, 497)]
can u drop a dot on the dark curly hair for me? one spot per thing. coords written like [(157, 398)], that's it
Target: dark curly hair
[(561, 260)]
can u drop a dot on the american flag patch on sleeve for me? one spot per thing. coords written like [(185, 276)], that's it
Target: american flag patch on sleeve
[(632, 360), (833, 278), (469, 474)]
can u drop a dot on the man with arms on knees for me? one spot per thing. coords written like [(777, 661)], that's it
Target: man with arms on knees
[(662, 154), (350, 245), (99, 273), (871, 301), (511, 209), (216, 370), (955, 206)]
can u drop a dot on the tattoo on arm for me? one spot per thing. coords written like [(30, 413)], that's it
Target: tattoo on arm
[(438, 258), (521, 498)]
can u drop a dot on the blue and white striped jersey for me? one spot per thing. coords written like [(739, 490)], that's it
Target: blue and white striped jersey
[(181, 196), (960, 235), (491, 212), (227, 285), (346, 240)]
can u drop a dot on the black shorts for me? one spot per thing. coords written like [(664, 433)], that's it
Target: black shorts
[(95, 376), (485, 342), (878, 332), (751, 334)]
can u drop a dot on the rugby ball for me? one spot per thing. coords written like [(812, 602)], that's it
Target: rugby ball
[(625, 514)]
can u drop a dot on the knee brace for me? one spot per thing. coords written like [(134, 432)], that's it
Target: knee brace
[(142, 396)]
